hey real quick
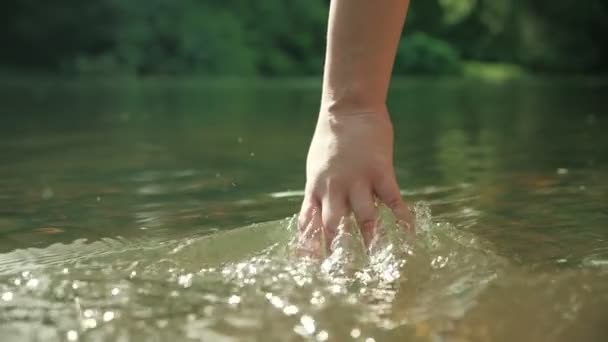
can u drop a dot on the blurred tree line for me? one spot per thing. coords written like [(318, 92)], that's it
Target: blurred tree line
[(287, 37)]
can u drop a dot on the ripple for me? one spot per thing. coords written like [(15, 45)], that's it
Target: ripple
[(251, 284), (59, 253)]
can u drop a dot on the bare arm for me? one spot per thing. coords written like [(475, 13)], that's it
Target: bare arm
[(362, 38), (350, 160)]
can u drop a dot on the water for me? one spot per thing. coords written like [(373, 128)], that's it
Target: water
[(161, 210)]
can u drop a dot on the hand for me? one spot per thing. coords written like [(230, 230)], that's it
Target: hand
[(350, 164)]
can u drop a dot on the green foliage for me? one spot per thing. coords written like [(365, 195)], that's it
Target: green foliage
[(564, 36), (51, 35), (544, 35), (497, 72), (287, 37), (419, 53), (164, 36)]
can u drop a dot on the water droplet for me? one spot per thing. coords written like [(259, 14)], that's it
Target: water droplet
[(115, 291), (32, 282), (370, 339), (439, 262), (185, 280), (7, 296), (322, 336), (562, 171), (317, 298), (239, 140), (89, 323), (291, 310), (72, 335), (355, 333), (336, 289), (234, 300), (108, 316), (308, 323), (277, 302), (88, 313)]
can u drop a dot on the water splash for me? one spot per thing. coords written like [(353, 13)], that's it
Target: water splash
[(252, 284)]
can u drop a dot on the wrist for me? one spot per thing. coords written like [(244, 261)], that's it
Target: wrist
[(351, 100), (347, 111), (338, 120)]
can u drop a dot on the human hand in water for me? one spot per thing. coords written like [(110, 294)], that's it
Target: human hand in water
[(349, 166), (350, 161)]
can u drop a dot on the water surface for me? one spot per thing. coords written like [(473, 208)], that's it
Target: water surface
[(160, 209)]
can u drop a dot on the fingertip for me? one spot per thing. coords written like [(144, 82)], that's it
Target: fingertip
[(332, 212), (368, 230), (308, 210), (389, 193), (402, 213), (330, 224), (363, 205), (405, 217), (304, 218), (310, 240)]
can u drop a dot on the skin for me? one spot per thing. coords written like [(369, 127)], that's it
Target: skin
[(350, 161)]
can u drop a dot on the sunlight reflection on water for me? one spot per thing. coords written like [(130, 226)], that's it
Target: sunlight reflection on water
[(427, 287)]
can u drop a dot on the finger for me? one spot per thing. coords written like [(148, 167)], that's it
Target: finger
[(310, 240), (333, 209), (388, 192), (361, 202), (309, 206)]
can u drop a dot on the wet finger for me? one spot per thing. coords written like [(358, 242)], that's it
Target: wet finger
[(309, 206), (310, 240), (388, 192), (361, 201), (333, 209)]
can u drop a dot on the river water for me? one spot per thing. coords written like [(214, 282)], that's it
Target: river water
[(162, 209)]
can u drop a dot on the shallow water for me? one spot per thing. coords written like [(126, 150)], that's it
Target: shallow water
[(161, 209)]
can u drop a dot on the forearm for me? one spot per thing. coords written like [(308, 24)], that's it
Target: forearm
[(350, 160), (362, 38)]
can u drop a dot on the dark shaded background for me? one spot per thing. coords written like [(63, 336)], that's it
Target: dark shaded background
[(286, 37)]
